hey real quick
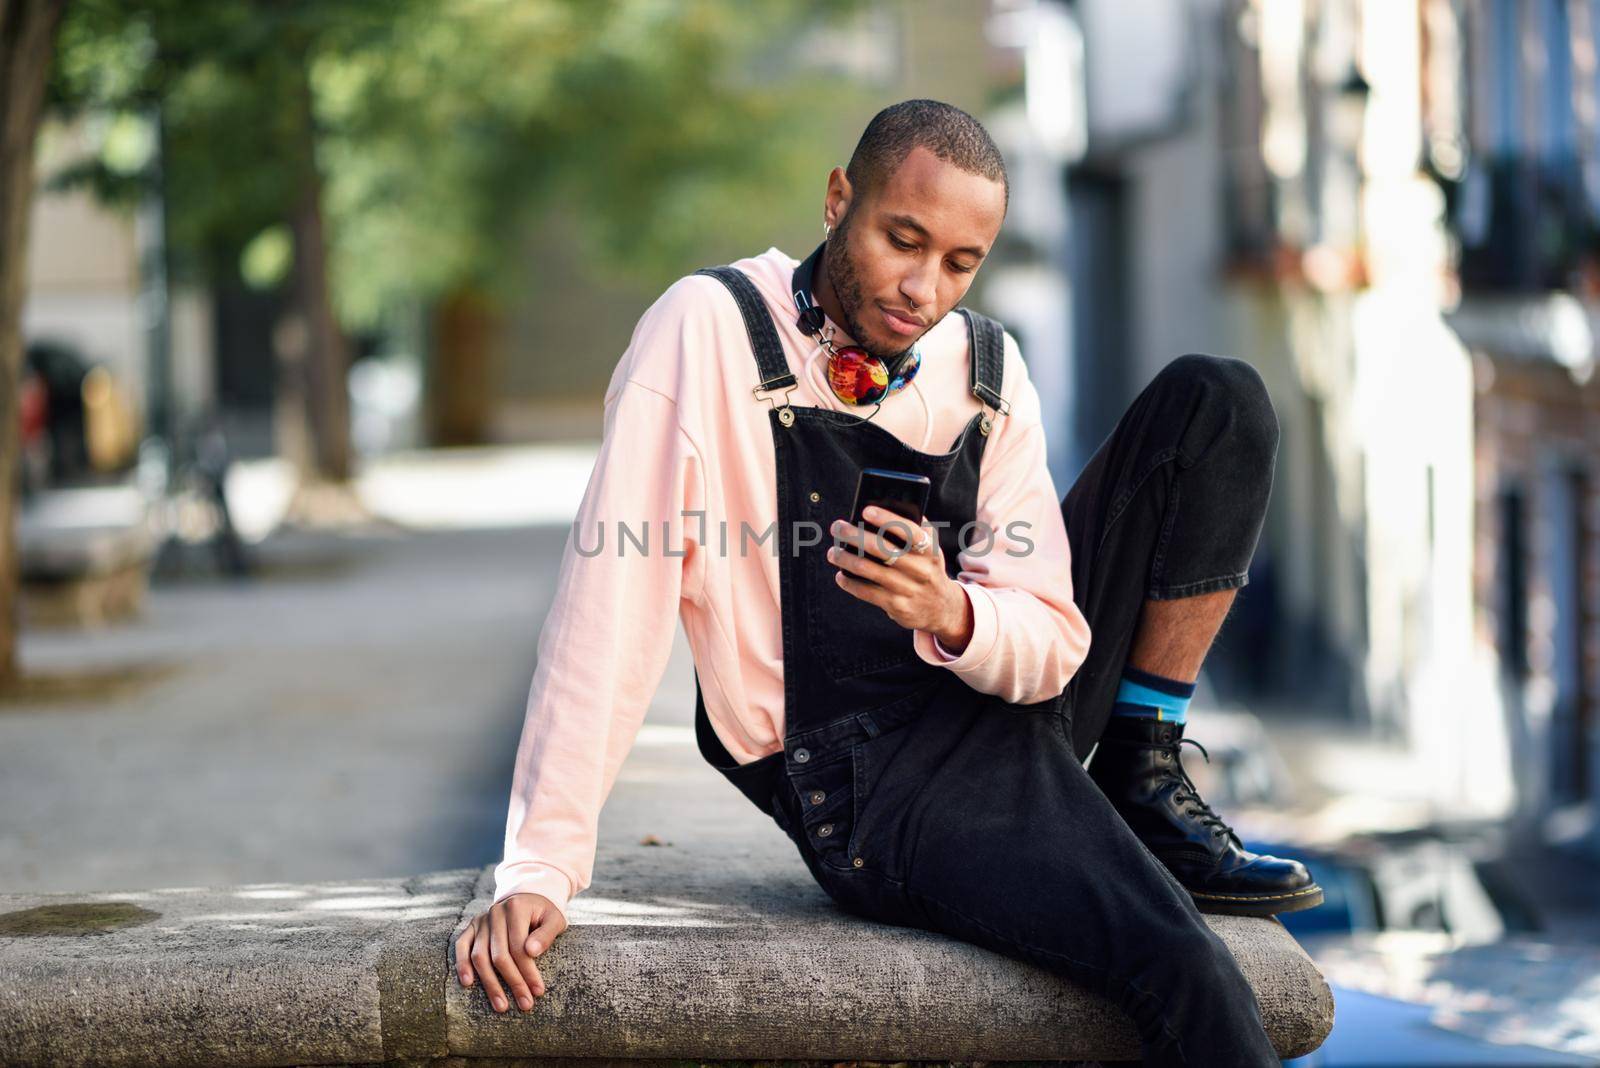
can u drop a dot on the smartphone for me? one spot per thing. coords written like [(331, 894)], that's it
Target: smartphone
[(897, 491)]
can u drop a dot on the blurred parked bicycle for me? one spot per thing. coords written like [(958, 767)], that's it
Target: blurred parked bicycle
[(186, 484)]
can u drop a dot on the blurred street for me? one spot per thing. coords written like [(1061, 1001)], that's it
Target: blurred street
[(318, 306), (352, 711)]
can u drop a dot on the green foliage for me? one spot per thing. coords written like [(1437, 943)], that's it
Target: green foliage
[(442, 128)]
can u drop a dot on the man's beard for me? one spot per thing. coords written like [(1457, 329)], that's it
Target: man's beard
[(847, 287)]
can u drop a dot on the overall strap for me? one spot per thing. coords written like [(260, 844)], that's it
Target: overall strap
[(771, 364), (985, 341), (986, 360)]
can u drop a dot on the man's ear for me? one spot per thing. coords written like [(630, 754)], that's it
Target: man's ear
[(837, 202)]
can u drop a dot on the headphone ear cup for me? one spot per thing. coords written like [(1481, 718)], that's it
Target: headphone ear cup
[(855, 377)]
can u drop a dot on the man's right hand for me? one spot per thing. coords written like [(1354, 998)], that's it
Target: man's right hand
[(505, 938)]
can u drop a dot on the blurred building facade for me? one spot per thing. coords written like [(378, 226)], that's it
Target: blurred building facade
[(93, 290), (1524, 207), (1389, 209), (83, 271)]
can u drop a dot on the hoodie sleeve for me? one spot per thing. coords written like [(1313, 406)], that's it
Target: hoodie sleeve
[(1028, 636), (629, 561)]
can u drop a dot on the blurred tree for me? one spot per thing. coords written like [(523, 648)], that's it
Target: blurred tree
[(368, 154), (27, 30), (234, 154), (400, 147)]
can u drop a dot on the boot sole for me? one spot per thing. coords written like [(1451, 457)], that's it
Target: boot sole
[(1258, 904)]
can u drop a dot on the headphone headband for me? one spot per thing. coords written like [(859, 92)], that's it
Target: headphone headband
[(810, 315)]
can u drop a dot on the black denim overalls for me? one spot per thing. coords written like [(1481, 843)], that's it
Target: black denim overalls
[(917, 800)]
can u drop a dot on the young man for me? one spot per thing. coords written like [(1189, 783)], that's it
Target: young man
[(914, 717)]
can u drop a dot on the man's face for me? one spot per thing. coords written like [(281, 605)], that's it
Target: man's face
[(902, 257)]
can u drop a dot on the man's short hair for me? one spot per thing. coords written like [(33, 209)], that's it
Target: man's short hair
[(943, 129)]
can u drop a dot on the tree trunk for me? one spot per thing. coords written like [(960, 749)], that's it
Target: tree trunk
[(465, 326), (27, 45), (316, 350)]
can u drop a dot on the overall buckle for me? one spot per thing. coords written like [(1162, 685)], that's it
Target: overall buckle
[(785, 412), (984, 394)]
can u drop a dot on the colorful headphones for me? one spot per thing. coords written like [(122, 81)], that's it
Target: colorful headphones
[(855, 376)]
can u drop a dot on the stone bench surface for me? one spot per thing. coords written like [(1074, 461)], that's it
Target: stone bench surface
[(725, 966)]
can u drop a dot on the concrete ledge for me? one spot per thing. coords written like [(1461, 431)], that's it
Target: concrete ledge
[(84, 556), (72, 534), (361, 972)]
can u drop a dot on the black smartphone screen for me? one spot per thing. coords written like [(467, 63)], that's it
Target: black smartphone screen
[(897, 491)]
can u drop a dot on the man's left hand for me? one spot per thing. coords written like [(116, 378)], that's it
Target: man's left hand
[(909, 585)]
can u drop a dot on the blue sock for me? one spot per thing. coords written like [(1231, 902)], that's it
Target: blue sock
[(1152, 696)]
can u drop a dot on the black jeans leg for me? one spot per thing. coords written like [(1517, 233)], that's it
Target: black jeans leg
[(990, 830), (983, 824), (1170, 505)]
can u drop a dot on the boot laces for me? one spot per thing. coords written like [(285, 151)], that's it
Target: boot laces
[(1190, 796)]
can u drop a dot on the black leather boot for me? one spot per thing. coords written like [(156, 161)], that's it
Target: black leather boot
[(1136, 766)]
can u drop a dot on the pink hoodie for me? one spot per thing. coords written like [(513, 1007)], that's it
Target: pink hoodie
[(684, 433)]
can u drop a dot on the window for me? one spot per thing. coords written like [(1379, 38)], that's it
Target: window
[(1513, 584)]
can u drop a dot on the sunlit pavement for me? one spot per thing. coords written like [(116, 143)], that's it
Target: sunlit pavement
[(1423, 998), (1345, 782), (478, 488), (1475, 994), (353, 712)]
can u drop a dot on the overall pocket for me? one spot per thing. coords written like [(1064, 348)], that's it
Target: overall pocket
[(853, 798), (826, 796)]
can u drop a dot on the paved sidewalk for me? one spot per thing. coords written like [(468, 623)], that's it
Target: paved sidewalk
[(352, 713)]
